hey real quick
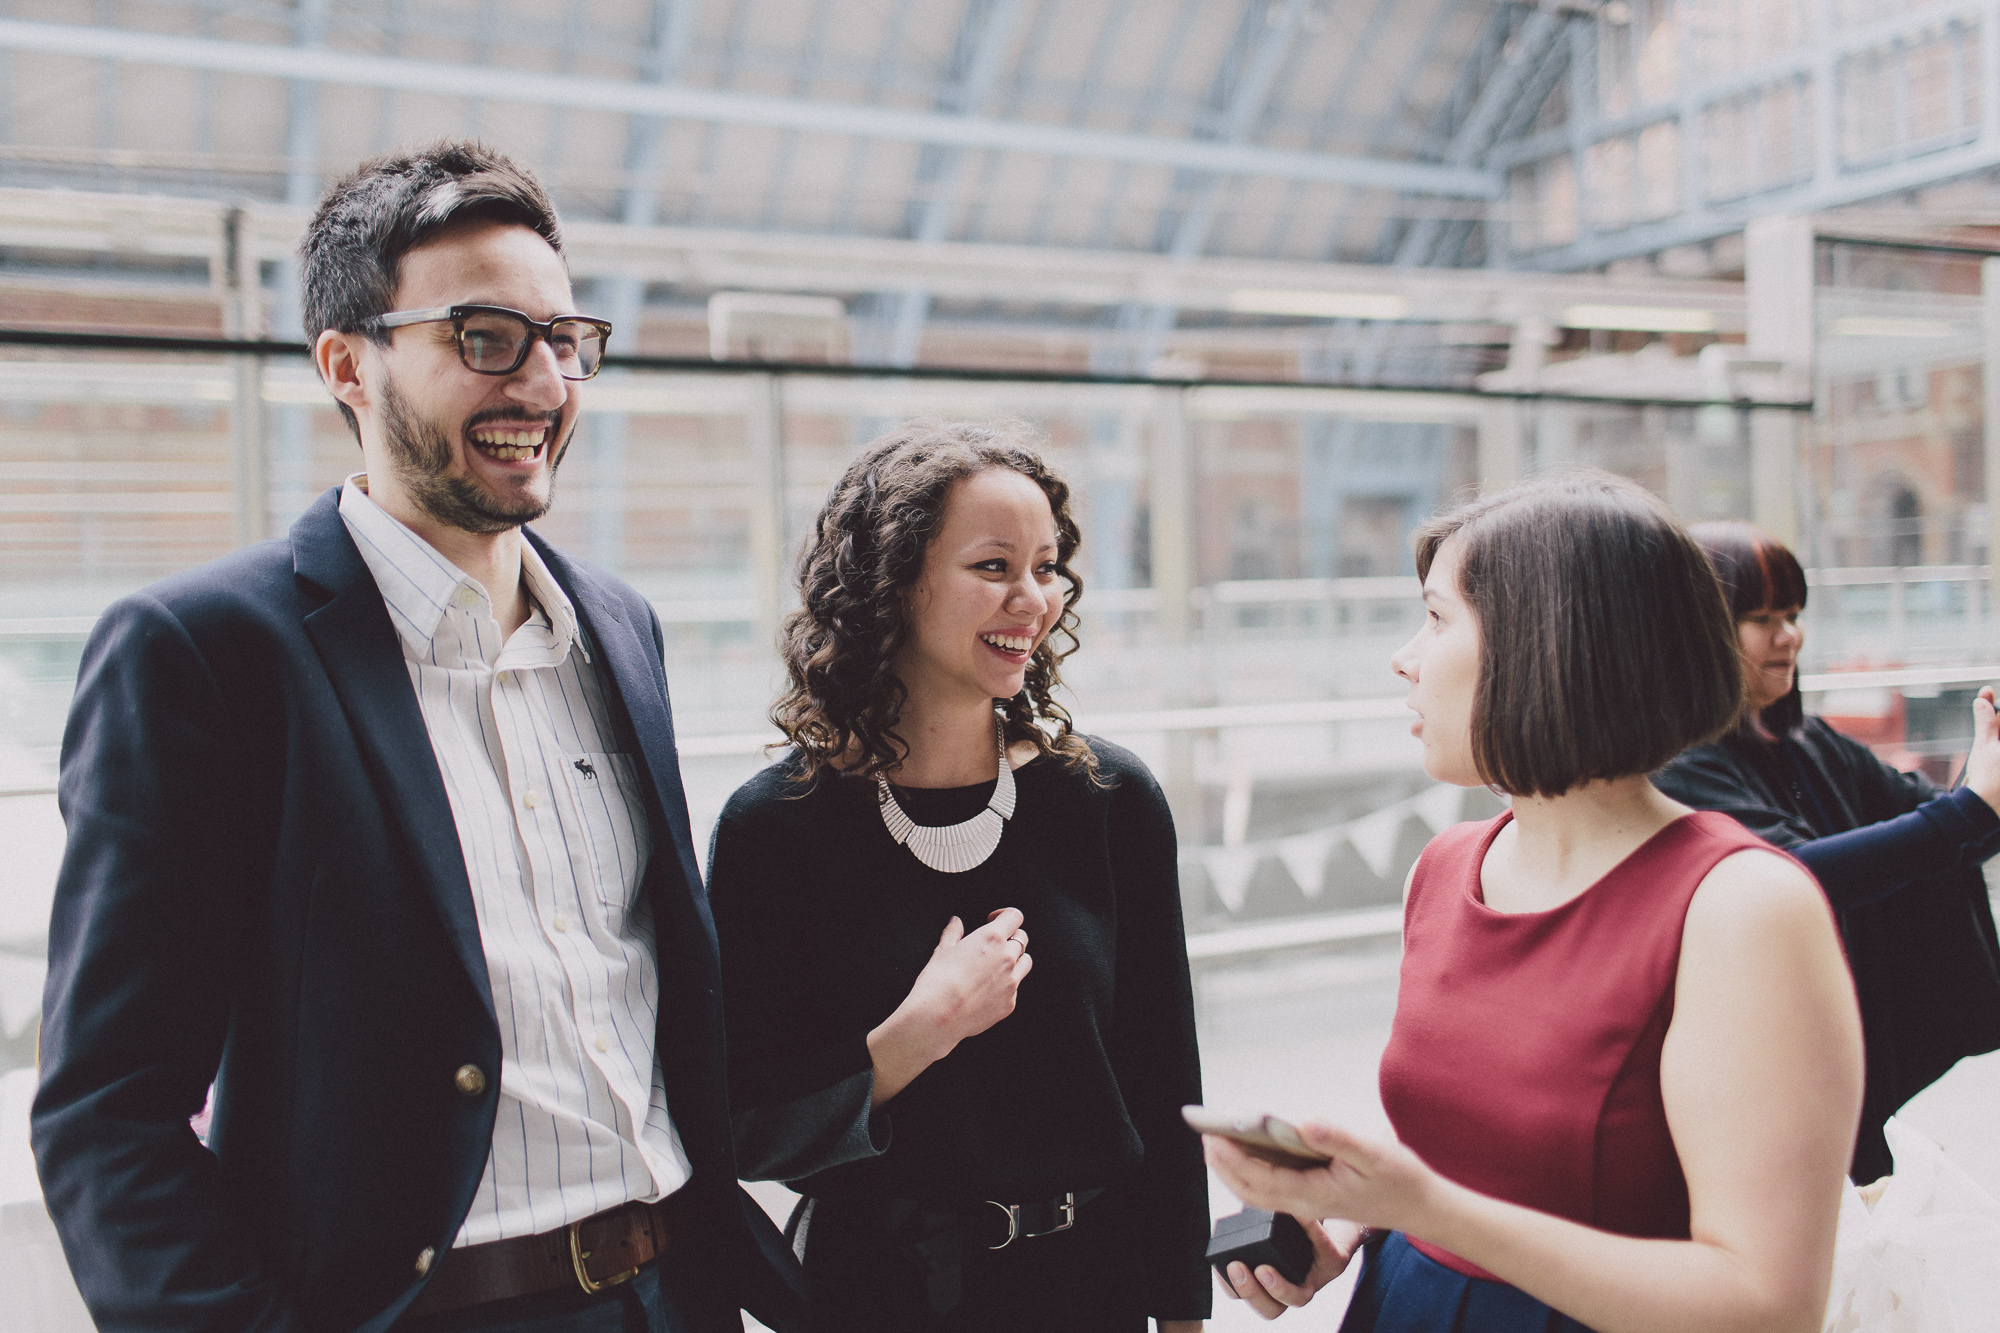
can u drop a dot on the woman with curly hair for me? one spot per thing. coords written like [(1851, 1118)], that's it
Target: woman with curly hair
[(985, 1139)]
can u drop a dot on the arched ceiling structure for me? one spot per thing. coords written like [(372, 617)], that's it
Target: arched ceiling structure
[(1553, 135)]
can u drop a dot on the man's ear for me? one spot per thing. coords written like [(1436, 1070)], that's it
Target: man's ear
[(338, 358)]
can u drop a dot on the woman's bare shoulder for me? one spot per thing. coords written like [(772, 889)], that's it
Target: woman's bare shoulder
[(1756, 895)]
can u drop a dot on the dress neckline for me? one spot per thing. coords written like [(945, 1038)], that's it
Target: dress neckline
[(968, 787), (1476, 895)]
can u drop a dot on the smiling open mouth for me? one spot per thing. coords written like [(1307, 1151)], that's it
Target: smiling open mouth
[(1013, 645), (513, 444)]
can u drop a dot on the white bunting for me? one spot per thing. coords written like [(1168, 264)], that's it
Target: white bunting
[(1374, 836), (1305, 856), (1229, 870), (1441, 806)]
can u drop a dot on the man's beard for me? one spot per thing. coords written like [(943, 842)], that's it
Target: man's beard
[(420, 454)]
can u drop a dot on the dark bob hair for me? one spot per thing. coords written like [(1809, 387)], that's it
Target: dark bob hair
[(843, 697), (351, 255), (1759, 574), (1605, 646)]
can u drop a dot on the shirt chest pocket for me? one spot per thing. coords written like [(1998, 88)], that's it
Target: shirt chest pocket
[(618, 841)]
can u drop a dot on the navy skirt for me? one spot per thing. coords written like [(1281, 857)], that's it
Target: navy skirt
[(1403, 1290)]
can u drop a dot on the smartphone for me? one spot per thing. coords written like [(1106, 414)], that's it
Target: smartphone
[(1263, 1136)]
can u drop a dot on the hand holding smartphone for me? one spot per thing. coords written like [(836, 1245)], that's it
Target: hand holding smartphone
[(1262, 1136)]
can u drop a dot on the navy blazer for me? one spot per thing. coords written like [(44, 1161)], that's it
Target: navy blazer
[(263, 887)]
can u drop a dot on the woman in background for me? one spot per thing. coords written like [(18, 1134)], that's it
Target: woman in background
[(1898, 859), (1625, 1063), (986, 1140)]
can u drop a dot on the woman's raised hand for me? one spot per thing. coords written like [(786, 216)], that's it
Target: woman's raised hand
[(970, 981), (968, 985), (1982, 766)]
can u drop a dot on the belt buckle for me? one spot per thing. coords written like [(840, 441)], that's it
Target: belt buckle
[(1068, 1210), (577, 1255), (1013, 1212)]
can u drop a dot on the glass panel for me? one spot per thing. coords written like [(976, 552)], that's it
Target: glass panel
[(1290, 546), (1895, 475)]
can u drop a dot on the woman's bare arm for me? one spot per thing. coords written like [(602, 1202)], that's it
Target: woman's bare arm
[(1762, 1081)]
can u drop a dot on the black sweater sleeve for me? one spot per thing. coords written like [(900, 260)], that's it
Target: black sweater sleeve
[(793, 1111), (1153, 1047), (1861, 865)]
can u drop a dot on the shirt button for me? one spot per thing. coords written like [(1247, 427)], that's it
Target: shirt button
[(531, 800), (603, 1042), (561, 922), (424, 1260), (467, 598), (470, 1080), (506, 678)]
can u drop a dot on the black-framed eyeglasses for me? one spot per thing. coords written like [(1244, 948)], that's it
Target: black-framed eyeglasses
[(493, 340)]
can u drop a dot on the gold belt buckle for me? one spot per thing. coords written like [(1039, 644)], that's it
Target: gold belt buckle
[(577, 1255)]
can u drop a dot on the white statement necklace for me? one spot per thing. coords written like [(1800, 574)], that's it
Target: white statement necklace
[(954, 848)]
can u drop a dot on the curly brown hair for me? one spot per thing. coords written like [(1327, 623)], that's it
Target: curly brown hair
[(867, 551)]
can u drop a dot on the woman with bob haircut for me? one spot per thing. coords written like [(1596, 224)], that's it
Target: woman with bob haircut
[(1625, 1064), (1898, 859), (985, 1139)]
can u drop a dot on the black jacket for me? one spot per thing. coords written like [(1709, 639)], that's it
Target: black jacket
[(264, 887), (1900, 864)]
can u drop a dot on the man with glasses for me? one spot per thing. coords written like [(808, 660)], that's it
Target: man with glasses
[(379, 830)]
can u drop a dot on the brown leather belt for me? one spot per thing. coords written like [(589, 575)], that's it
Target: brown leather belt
[(598, 1252)]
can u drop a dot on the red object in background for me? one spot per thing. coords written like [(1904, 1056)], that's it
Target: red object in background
[(1877, 718), (1873, 717)]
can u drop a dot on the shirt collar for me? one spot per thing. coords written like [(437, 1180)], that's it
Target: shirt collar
[(420, 586)]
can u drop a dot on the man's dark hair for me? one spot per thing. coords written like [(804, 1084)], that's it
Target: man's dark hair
[(1605, 645), (352, 252), (1759, 574)]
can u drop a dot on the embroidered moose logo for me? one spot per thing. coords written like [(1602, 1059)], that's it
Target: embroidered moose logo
[(583, 766)]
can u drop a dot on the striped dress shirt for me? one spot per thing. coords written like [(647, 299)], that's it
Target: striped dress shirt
[(553, 827)]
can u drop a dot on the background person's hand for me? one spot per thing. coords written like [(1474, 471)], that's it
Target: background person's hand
[(1982, 766), (1268, 1293)]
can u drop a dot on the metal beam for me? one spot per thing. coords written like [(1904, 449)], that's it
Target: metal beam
[(1524, 70), (703, 259), (812, 55), (1017, 90), (987, 36), (1241, 98), (606, 443), (1708, 222), (668, 102), (725, 74), (1149, 106), (878, 83), (1080, 104), (1332, 115), (1399, 97), (1830, 47)]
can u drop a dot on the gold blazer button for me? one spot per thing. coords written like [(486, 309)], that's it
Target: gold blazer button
[(470, 1080)]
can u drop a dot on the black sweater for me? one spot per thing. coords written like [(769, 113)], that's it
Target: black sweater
[(1900, 864), (825, 923)]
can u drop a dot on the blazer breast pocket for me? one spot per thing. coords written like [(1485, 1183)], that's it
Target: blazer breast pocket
[(614, 819)]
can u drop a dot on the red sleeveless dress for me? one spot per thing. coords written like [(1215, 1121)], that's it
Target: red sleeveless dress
[(1524, 1061)]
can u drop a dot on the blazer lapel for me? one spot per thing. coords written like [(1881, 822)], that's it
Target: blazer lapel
[(363, 658)]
